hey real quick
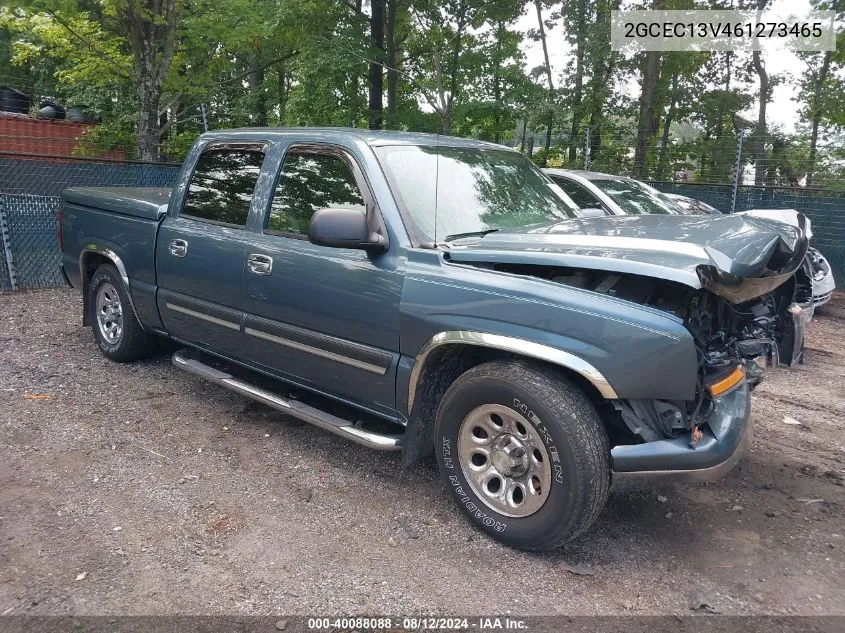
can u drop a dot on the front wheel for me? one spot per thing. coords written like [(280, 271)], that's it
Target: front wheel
[(524, 453)]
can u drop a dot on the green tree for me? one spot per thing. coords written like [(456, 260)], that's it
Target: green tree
[(821, 88)]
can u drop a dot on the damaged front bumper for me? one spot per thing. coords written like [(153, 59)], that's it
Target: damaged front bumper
[(726, 435)]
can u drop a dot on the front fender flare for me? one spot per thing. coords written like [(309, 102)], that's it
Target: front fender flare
[(519, 346), (419, 435)]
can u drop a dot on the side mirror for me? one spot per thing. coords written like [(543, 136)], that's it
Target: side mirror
[(593, 212), (343, 228)]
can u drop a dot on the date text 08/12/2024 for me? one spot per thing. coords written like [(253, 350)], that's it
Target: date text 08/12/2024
[(417, 623)]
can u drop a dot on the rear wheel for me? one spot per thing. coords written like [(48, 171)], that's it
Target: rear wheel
[(524, 453), (116, 330)]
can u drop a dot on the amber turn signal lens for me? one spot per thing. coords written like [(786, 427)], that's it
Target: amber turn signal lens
[(728, 382)]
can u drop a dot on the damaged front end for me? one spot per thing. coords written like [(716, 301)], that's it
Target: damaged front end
[(745, 318), (766, 330), (736, 283), (734, 344)]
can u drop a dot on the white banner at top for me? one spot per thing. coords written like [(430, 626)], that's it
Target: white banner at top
[(721, 30)]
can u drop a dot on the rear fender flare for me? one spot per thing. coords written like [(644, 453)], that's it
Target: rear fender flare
[(115, 260)]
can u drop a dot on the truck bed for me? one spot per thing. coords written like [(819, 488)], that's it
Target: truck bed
[(119, 225), (141, 202)]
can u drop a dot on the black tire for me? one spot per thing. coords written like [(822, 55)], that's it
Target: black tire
[(133, 343), (568, 426)]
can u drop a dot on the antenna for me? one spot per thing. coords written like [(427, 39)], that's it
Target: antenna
[(436, 183)]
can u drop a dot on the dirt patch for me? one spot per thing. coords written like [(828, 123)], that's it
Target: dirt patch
[(169, 495), (222, 523)]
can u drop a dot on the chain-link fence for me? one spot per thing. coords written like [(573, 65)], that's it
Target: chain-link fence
[(29, 201), (45, 176), (31, 230)]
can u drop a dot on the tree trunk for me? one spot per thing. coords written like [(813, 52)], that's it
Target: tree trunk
[(449, 100), (667, 124), (150, 28), (760, 136), (497, 83), (454, 66), (376, 74), (720, 116), (443, 104), (818, 88), (446, 118), (392, 65), (760, 132), (257, 84), (549, 99), (577, 91), (647, 121), (602, 70), (149, 142), (284, 91), (602, 64)]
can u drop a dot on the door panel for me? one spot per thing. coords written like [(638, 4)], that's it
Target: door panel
[(371, 359), (328, 317), (200, 252), (200, 293)]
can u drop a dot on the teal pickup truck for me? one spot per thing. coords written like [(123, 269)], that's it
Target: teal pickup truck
[(432, 295)]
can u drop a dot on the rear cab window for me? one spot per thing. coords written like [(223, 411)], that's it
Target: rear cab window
[(221, 187)]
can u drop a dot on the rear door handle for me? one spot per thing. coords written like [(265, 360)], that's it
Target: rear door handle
[(178, 248), (259, 264)]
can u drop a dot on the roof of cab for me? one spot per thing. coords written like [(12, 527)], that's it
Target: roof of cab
[(375, 138)]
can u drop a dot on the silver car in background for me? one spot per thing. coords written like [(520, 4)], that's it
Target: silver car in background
[(618, 195)]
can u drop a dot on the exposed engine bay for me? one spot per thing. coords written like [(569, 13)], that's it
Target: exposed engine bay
[(729, 337)]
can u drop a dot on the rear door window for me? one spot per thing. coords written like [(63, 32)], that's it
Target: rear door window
[(220, 189)]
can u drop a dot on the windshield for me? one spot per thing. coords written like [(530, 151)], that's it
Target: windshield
[(473, 189), (636, 198)]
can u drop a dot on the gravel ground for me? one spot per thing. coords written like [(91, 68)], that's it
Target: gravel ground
[(137, 489)]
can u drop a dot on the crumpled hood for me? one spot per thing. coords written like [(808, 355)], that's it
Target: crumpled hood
[(739, 257), (787, 216)]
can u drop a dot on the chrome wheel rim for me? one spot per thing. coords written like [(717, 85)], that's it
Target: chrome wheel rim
[(109, 313), (504, 460)]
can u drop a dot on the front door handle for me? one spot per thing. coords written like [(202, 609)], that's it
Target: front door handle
[(259, 264), (178, 248)]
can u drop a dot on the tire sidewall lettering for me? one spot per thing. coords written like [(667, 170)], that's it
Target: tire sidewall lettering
[(447, 454), (468, 499), (96, 282), (472, 508), (548, 440)]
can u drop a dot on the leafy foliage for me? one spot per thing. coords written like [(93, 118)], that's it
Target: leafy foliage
[(156, 73)]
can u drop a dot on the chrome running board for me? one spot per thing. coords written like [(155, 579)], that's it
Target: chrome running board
[(326, 421)]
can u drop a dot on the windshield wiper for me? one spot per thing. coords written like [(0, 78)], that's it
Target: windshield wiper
[(458, 236)]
